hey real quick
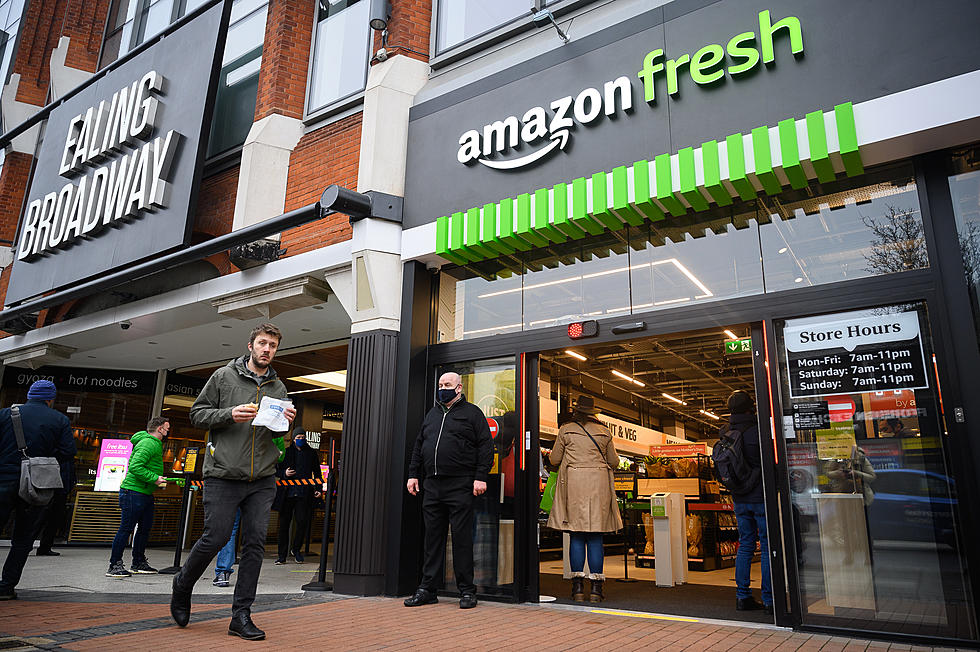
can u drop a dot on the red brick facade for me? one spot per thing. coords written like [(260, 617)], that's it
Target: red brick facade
[(324, 157), (285, 59), (409, 27), (13, 187)]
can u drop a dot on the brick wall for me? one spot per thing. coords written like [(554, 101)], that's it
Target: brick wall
[(13, 186), (84, 23), (409, 27), (285, 59), (323, 157)]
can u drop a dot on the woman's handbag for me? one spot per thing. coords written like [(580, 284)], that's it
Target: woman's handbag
[(548, 495), (39, 476)]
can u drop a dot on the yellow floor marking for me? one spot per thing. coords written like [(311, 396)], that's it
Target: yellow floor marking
[(651, 616)]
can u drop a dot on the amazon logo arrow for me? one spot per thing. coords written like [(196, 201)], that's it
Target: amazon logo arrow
[(558, 140)]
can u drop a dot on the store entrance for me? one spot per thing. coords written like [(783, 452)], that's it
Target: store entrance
[(664, 400)]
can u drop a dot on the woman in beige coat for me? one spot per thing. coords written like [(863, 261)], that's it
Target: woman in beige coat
[(585, 501)]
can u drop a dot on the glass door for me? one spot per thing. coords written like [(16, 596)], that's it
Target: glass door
[(492, 385), (874, 505)]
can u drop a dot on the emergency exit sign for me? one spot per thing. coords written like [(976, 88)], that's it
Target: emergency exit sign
[(738, 346)]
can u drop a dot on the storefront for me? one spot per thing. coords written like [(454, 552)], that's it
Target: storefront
[(705, 198)]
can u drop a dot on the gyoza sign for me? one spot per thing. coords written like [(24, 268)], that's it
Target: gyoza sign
[(123, 151), (115, 186)]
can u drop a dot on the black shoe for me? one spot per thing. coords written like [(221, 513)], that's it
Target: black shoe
[(47, 553), (467, 601), (221, 579), (298, 556), (117, 571), (143, 568), (180, 605), (280, 562), (242, 626), (422, 597), (748, 604), (8, 596)]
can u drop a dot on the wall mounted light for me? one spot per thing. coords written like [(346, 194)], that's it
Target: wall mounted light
[(380, 14)]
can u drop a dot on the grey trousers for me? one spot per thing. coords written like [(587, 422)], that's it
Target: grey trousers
[(222, 499)]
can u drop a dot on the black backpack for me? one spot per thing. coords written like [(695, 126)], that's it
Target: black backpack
[(731, 467)]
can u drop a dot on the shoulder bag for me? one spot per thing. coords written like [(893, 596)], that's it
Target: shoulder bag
[(40, 477)]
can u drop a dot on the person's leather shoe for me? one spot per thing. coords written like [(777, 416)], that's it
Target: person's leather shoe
[(180, 605), (748, 604), (47, 553), (420, 598), (242, 625), (467, 601)]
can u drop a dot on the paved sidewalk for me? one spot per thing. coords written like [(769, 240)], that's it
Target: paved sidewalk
[(73, 621)]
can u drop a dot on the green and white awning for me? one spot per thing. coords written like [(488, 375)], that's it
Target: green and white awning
[(765, 161)]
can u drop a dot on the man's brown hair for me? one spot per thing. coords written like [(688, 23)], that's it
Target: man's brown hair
[(268, 329), (155, 423)]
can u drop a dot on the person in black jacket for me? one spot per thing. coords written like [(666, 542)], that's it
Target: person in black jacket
[(47, 434), (300, 462), (454, 449), (750, 508)]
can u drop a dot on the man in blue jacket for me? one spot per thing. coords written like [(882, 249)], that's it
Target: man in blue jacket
[(47, 434)]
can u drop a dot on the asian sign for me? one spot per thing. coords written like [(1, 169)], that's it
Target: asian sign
[(124, 153)]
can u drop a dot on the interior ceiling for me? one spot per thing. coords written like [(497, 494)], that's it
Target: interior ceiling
[(691, 366)]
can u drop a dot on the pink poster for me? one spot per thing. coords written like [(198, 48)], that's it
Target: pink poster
[(113, 463)]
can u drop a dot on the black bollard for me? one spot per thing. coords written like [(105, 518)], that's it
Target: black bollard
[(321, 583), (185, 512)]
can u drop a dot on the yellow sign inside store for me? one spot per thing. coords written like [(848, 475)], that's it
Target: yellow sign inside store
[(836, 442)]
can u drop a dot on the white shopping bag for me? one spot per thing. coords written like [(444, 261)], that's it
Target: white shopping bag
[(271, 414)]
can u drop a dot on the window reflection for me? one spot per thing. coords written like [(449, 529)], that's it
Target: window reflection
[(340, 52), (964, 188), (460, 20)]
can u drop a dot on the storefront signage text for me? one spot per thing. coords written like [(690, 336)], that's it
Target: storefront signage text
[(705, 67), (86, 380), (860, 354), (123, 185)]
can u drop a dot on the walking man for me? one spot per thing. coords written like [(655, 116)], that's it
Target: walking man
[(143, 477), (47, 434), (239, 473), (296, 503), (455, 451), (750, 508)]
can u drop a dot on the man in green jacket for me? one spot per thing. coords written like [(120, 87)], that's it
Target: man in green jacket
[(144, 476), (239, 473)]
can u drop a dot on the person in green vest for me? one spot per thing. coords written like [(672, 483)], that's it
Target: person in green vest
[(226, 556), (144, 476)]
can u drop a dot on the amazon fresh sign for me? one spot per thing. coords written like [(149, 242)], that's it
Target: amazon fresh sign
[(708, 65)]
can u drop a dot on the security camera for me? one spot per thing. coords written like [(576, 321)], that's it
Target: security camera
[(382, 54), (125, 325)]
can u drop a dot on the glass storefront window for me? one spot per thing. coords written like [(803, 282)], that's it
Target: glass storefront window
[(875, 509), (964, 188), (341, 50), (825, 233), (460, 20), (11, 12), (491, 385)]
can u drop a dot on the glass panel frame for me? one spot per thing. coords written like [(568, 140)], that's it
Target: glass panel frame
[(336, 28)]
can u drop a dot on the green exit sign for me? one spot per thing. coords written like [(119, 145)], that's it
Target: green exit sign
[(739, 346)]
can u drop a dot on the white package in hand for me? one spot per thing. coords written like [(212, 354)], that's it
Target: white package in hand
[(271, 414)]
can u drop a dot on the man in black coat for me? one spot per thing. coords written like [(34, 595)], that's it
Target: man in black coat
[(300, 462), (455, 451), (47, 434), (750, 508)]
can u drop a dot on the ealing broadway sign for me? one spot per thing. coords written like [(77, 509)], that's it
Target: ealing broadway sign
[(119, 189), (705, 67), (116, 176)]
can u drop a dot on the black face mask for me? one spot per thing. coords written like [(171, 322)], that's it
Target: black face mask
[(446, 395)]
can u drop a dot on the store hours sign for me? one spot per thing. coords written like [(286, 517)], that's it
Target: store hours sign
[(855, 353), (117, 171)]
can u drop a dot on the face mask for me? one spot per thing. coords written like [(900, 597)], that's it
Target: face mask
[(446, 395), (300, 442)]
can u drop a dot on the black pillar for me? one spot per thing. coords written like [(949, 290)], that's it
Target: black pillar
[(359, 565)]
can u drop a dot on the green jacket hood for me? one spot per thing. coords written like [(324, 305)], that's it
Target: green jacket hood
[(139, 436)]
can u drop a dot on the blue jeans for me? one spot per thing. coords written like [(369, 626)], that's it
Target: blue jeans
[(751, 528), (226, 556), (137, 513), (578, 543)]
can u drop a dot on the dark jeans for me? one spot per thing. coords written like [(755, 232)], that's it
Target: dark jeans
[(298, 508), (51, 520), (448, 501), (751, 519), (137, 513), (578, 543), (22, 537), (222, 500)]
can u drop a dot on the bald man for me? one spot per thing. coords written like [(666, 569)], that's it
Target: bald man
[(454, 452)]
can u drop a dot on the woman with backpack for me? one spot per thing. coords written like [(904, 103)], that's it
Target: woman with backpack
[(585, 500)]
